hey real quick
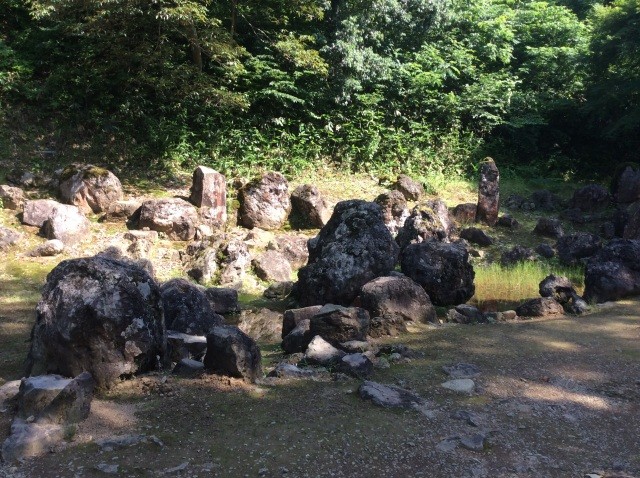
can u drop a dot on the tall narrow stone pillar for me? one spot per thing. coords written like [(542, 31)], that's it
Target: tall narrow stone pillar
[(488, 193)]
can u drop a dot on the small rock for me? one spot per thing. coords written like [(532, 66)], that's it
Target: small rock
[(107, 468), (322, 352), (448, 444), (473, 442), (461, 385)]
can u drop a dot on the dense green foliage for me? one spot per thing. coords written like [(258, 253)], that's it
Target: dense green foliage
[(421, 85)]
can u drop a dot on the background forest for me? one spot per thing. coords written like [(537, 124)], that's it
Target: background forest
[(381, 85)]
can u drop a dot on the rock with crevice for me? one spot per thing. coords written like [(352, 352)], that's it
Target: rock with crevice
[(353, 248), (572, 248), (98, 315)]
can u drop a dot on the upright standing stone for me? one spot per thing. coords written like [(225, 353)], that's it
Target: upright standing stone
[(209, 190), (488, 193), (264, 202)]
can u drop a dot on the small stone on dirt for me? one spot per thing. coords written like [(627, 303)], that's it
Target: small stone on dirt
[(462, 385)]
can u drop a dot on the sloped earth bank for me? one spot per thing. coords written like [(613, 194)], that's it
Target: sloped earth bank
[(555, 398)]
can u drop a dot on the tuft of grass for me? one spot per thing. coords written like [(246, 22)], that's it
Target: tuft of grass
[(501, 287)]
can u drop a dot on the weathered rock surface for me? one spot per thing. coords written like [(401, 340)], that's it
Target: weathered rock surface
[(67, 224), (561, 289), (209, 192), (222, 300), (394, 209), (613, 272), (309, 208), (411, 189), (97, 315), (52, 247), (465, 213), (232, 352), (423, 224), (488, 193), (337, 324), (443, 270), (591, 198), (293, 317), (508, 222), (465, 314), (356, 365), (186, 308), (173, 216), (573, 247), (184, 346), (188, 368), (235, 262), (298, 339), (37, 211), (89, 187), (392, 297), (264, 202), (353, 248), (272, 266), (545, 250), (121, 211), (460, 385), (8, 237), (261, 324), (540, 307), (549, 227), (632, 226), (389, 396), (11, 197), (293, 248)]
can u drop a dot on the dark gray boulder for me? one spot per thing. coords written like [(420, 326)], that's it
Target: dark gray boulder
[(337, 324), (443, 270), (561, 289), (353, 248), (632, 223), (232, 352), (309, 209), (517, 254), (264, 202), (476, 236), (613, 272), (488, 193), (545, 250), (508, 222), (591, 198), (186, 308), (393, 297), (98, 315), (89, 187), (540, 307), (356, 365), (549, 227), (293, 317), (222, 300), (574, 247), (545, 200), (298, 339)]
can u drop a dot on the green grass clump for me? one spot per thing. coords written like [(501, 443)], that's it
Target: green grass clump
[(502, 287)]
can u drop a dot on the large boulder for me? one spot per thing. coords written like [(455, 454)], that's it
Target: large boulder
[(309, 208), (37, 211), (89, 187), (353, 248), (264, 202), (337, 324), (442, 269), (574, 247), (209, 191), (393, 297), (232, 352), (97, 315), (292, 317), (11, 197), (540, 307), (625, 185), (517, 254), (173, 216), (272, 266), (67, 224), (591, 198), (488, 193), (613, 272), (549, 227), (561, 289), (423, 224), (187, 309), (223, 300)]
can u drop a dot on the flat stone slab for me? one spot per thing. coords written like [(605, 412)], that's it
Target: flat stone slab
[(461, 385), (390, 396)]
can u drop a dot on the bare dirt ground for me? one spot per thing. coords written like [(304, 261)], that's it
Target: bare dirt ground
[(556, 398)]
